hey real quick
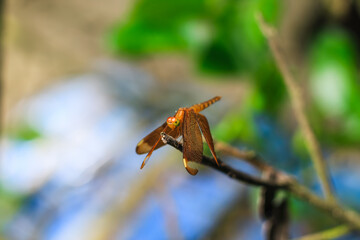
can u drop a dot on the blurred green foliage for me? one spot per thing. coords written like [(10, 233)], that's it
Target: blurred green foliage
[(156, 26), (9, 204), (222, 37), (23, 132), (315, 218), (334, 84)]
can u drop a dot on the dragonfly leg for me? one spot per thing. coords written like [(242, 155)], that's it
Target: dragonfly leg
[(149, 154)]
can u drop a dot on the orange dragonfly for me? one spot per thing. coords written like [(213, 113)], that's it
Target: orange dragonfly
[(187, 122)]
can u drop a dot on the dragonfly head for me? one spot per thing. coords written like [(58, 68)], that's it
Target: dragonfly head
[(173, 122)]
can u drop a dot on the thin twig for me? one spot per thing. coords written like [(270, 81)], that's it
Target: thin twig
[(224, 168), (284, 182), (339, 213), (298, 106), (297, 189), (328, 234), (248, 156), (252, 158), (2, 25)]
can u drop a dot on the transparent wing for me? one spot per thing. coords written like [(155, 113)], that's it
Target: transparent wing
[(205, 129), (153, 141), (147, 143)]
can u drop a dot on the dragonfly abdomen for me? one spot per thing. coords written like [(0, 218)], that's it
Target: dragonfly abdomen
[(201, 106)]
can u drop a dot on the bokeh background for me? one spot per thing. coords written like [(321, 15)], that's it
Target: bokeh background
[(84, 81)]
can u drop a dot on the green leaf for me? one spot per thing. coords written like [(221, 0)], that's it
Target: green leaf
[(24, 132)]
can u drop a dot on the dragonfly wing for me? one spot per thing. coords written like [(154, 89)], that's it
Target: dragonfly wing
[(153, 141), (147, 143), (193, 146), (205, 129)]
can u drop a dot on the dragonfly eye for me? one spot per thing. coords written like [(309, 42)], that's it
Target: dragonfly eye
[(176, 122), (172, 122)]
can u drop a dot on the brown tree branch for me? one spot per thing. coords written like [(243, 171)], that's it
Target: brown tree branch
[(224, 168), (248, 156), (284, 182), (298, 106)]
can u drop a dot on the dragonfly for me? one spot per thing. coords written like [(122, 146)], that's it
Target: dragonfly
[(191, 125)]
